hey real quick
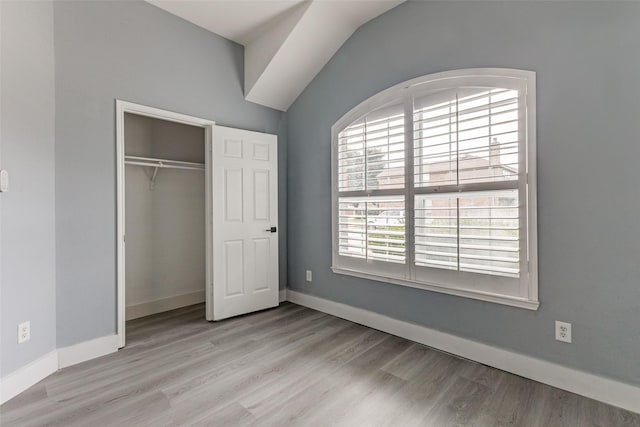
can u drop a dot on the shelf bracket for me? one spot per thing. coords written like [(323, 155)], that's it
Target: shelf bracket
[(156, 164), (152, 182)]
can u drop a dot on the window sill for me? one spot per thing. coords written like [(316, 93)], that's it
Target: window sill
[(482, 296)]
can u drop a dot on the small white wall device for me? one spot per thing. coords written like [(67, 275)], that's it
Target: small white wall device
[(4, 181)]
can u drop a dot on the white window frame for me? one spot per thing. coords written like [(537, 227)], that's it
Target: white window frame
[(471, 285)]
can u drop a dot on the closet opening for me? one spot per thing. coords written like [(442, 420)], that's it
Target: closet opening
[(164, 242), (195, 221)]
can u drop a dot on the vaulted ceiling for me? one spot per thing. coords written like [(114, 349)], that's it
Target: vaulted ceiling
[(287, 42)]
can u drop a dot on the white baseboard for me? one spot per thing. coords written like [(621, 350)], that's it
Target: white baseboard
[(34, 372), (283, 295), (30, 374), (593, 386), (87, 350), (165, 304)]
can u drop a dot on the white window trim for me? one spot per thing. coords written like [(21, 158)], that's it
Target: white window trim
[(401, 93)]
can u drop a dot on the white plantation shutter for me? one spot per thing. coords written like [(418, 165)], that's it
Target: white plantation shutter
[(476, 233), (371, 158), (466, 139), (489, 240), (436, 231), (432, 189), (468, 136), (368, 229), (371, 152)]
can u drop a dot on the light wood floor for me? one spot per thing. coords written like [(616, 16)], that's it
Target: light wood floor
[(290, 366)]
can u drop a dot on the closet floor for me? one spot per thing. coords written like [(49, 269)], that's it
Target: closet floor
[(290, 366)]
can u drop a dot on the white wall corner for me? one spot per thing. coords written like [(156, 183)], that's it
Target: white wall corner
[(283, 295), (286, 58), (302, 54), (264, 45), (32, 373), (606, 390), (87, 350)]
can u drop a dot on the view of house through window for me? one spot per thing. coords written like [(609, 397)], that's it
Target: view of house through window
[(471, 137), (441, 186)]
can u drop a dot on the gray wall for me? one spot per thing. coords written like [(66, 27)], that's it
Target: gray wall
[(135, 52), (587, 59), (27, 211)]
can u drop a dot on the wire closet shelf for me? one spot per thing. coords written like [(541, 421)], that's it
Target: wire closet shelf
[(161, 164)]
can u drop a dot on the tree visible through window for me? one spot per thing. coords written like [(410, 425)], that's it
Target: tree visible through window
[(371, 157)]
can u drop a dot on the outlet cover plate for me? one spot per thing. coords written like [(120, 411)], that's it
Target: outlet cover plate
[(563, 331), (24, 332)]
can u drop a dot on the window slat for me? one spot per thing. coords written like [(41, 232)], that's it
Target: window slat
[(473, 229), (380, 230)]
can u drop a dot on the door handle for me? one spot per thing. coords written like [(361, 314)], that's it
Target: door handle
[(272, 229)]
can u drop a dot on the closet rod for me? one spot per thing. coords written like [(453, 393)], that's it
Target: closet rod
[(162, 163)]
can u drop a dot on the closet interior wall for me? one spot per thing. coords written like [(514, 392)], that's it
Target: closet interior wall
[(164, 225)]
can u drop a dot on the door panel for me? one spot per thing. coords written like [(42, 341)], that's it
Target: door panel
[(245, 208), (234, 267), (233, 203), (261, 196), (260, 151), (261, 250)]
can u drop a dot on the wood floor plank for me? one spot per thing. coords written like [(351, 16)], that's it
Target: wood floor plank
[(306, 371), (459, 405), (516, 401), (190, 343), (230, 387), (597, 414), (173, 370), (322, 394), (361, 402), (559, 408), (423, 390), (357, 382), (410, 362), (231, 415), (290, 366)]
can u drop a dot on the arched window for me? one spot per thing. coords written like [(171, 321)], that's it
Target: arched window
[(434, 186)]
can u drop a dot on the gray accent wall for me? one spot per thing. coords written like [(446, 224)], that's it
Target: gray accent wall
[(27, 211), (587, 59), (135, 52)]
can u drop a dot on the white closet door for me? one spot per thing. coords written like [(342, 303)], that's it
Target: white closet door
[(245, 220)]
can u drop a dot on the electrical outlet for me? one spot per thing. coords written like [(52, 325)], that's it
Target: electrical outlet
[(563, 331), (309, 276), (24, 332)]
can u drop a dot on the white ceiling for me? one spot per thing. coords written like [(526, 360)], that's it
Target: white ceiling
[(236, 20), (287, 42)]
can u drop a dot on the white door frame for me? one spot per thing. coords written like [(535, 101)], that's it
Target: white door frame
[(123, 107)]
